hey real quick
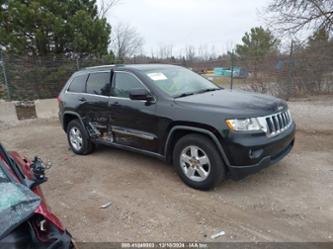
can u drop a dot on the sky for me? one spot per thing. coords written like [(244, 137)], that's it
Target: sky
[(216, 24)]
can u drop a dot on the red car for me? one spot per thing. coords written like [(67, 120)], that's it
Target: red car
[(25, 220)]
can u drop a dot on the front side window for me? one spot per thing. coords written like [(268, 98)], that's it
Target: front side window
[(124, 83), (78, 84), (99, 83)]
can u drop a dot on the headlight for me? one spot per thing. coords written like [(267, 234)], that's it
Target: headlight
[(249, 124)]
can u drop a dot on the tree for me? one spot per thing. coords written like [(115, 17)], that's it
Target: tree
[(41, 27), (314, 63), (296, 15), (257, 45), (165, 51), (127, 42), (318, 39), (190, 54), (205, 53), (106, 6)]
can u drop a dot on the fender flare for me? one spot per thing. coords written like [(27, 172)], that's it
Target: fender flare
[(199, 130), (72, 113)]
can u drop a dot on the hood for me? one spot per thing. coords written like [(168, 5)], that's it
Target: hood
[(235, 102)]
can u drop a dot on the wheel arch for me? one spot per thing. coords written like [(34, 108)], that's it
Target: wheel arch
[(178, 131), (68, 117)]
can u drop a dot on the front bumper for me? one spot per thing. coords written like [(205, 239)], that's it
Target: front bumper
[(270, 151)]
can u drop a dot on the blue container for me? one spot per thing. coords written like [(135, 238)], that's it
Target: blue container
[(226, 72), (218, 71)]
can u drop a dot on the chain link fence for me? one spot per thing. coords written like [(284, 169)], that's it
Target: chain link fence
[(297, 74), (28, 78), (31, 77)]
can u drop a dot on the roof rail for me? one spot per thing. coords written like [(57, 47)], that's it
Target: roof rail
[(102, 66), (96, 67)]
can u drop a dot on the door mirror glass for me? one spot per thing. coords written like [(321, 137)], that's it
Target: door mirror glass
[(140, 94)]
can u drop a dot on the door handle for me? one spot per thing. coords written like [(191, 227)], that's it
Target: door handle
[(82, 99)]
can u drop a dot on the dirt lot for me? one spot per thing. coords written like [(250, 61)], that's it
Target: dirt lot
[(291, 201)]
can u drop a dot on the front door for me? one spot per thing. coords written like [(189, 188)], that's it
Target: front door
[(133, 122)]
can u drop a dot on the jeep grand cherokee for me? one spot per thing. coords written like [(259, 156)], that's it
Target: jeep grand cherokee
[(172, 113)]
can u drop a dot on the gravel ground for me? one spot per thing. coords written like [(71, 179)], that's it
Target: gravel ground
[(291, 201)]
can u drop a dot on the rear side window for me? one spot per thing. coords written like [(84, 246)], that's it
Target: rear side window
[(99, 83), (78, 84), (124, 83)]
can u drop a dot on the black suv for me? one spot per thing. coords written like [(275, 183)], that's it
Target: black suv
[(174, 114)]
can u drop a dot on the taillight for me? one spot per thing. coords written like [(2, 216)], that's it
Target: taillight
[(58, 100)]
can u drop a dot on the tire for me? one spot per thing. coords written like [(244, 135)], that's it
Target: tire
[(78, 138), (195, 170)]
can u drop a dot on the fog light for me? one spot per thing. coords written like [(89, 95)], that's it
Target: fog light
[(254, 154)]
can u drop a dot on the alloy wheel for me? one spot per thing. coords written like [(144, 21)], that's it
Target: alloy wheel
[(195, 163), (75, 138)]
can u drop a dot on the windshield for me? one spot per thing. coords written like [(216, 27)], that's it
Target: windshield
[(180, 82), (17, 203), (4, 155)]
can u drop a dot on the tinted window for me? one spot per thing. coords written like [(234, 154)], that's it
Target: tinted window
[(78, 84), (125, 82), (99, 84)]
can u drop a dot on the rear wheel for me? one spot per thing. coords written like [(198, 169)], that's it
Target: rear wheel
[(78, 138), (198, 162)]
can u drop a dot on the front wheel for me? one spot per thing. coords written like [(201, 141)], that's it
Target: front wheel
[(198, 162), (78, 138)]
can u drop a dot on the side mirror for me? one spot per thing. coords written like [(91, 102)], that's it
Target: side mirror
[(140, 94)]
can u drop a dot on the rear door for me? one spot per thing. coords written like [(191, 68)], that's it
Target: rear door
[(133, 122), (94, 103), (74, 94)]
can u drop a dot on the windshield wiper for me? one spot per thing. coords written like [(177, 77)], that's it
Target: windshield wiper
[(201, 91), (185, 95), (209, 90)]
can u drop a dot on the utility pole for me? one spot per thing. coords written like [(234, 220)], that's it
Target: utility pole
[(232, 69), (290, 70), (77, 63), (2, 65)]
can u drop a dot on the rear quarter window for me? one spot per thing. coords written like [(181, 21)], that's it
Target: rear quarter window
[(78, 84)]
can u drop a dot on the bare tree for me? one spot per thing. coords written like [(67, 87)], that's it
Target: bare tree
[(190, 54), (127, 41), (165, 51), (295, 15), (206, 53), (203, 52), (106, 6)]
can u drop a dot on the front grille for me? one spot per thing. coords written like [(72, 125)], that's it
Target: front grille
[(277, 123)]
